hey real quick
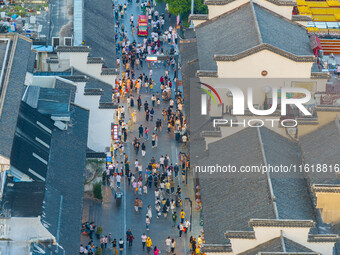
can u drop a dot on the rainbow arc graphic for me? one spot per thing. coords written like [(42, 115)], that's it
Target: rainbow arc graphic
[(204, 101)]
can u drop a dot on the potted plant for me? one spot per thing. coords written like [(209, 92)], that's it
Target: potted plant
[(99, 232), (97, 191)]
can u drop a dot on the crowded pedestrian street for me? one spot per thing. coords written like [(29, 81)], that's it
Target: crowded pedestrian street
[(149, 162)]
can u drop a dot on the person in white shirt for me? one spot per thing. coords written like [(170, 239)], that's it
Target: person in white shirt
[(136, 165), (161, 161), (168, 172), (118, 179), (157, 194), (186, 225), (162, 186), (168, 244), (180, 228), (143, 237), (82, 249), (147, 222)]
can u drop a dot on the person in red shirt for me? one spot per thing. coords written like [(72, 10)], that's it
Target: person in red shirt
[(156, 251), (130, 240)]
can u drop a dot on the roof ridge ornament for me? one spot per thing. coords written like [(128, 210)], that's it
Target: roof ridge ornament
[(281, 223)]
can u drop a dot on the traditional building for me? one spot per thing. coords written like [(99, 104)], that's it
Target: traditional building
[(255, 42), (89, 66), (256, 212), (43, 143), (258, 44)]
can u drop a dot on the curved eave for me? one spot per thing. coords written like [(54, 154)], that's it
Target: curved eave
[(206, 74), (217, 2), (216, 248), (281, 223), (199, 17), (326, 238), (256, 49), (301, 18), (320, 75), (224, 2)]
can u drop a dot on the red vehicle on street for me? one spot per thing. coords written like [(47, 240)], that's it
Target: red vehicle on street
[(142, 25)]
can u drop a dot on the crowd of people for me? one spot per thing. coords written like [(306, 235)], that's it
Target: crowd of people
[(159, 175)]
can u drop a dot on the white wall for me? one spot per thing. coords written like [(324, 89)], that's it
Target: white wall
[(285, 11), (99, 135), (197, 22), (300, 236), (216, 10), (303, 23), (22, 231), (264, 234), (78, 60), (100, 120), (253, 65), (44, 81)]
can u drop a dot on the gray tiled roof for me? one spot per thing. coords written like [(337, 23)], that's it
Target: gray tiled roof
[(31, 61), (107, 89), (236, 31), (13, 95), (24, 199), (93, 83), (54, 102), (290, 189), (292, 246), (65, 181), (99, 30), (243, 197), (235, 200), (246, 27), (25, 144), (322, 147), (64, 85), (32, 96), (274, 245), (282, 33)]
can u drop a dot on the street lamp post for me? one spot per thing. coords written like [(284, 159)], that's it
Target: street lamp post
[(192, 12), (189, 200)]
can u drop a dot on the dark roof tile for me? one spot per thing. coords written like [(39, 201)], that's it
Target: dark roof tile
[(246, 27), (99, 35)]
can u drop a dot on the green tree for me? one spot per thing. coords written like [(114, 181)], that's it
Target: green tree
[(183, 7)]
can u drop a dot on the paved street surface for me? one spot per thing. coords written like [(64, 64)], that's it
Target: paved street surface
[(117, 219)]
